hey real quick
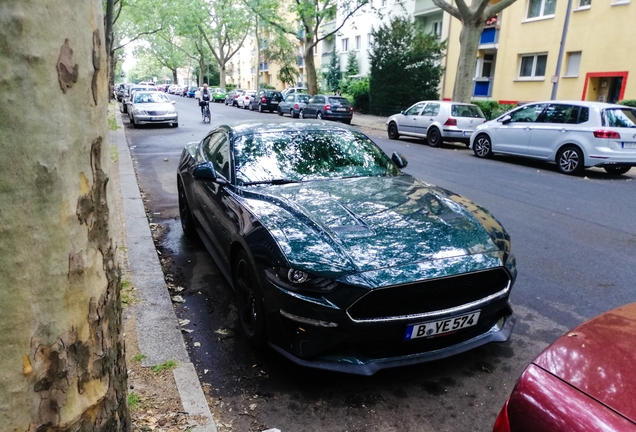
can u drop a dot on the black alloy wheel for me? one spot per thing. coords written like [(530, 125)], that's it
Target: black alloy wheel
[(318, 115), (291, 113), (301, 114), (433, 137), (393, 131), (187, 221), (617, 170), (260, 108), (251, 311), (482, 146), (570, 160)]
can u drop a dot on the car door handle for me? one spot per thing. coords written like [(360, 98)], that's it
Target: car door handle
[(563, 130)]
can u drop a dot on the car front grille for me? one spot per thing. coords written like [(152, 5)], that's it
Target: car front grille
[(158, 113), (427, 297)]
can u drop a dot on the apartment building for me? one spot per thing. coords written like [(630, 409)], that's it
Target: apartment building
[(520, 56)]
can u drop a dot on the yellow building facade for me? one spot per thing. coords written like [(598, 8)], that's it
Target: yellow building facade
[(519, 52)]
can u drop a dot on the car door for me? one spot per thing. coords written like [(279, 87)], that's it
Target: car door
[(286, 104), (407, 122), (310, 109), (211, 195), (552, 128), (428, 116), (513, 137)]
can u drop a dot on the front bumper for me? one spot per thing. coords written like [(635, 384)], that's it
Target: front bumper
[(147, 119), (457, 135)]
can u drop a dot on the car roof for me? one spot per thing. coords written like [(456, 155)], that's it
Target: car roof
[(595, 104), (242, 127)]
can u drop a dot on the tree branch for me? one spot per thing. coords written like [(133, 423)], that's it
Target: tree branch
[(450, 8), (344, 21), (138, 36), (216, 56), (121, 4), (493, 10)]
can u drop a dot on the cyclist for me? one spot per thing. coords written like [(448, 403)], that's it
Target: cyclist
[(206, 95)]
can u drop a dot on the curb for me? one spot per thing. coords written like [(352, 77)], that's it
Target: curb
[(158, 334)]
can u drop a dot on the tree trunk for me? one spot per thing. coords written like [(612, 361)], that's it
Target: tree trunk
[(112, 61), (201, 71), (310, 70), (469, 45), (62, 355), (174, 76), (222, 75)]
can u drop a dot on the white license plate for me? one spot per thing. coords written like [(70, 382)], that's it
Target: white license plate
[(448, 325), (274, 103), (341, 109), (629, 145)]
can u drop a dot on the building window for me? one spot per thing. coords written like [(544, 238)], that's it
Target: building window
[(345, 45), (574, 61), (532, 66), (585, 4), (384, 2), (358, 42), (437, 29), (541, 8)]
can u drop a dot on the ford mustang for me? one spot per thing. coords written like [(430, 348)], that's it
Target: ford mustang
[(339, 260)]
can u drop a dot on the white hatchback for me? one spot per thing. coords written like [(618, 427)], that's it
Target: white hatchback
[(573, 134), (436, 121)]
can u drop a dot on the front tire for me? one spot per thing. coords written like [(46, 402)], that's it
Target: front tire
[(617, 170), (482, 146), (301, 114), (570, 160), (433, 137), (187, 221), (251, 311), (260, 108), (291, 113), (393, 131), (318, 115), (280, 113), (252, 107)]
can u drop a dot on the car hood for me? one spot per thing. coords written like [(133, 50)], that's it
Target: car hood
[(154, 106), (390, 227), (598, 358)]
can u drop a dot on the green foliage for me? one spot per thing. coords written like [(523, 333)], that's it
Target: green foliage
[(168, 365), (359, 91), (133, 401), (405, 64), (229, 87), (333, 74), (628, 102), (139, 357), (211, 75), (267, 87), (352, 64), (282, 52), (492, 109)]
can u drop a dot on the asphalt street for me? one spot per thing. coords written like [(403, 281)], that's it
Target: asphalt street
[(575, 243)]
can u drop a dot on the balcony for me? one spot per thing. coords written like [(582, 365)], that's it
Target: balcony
[(300, 61), (483, 87), (425, 7), (489, 38), (263, 67)]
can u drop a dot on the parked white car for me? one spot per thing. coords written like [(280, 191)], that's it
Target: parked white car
[(437, 122), (245, 98), (574, 134)]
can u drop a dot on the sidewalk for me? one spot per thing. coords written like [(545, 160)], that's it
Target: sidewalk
[(369, 121), (158, 333)]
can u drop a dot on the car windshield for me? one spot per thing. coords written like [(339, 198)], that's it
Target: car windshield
[(308, 155), (154, 97), (620, 117), (466, 111), (302, 98)]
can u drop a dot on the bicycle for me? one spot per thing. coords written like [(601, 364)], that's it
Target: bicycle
[(206, 112)]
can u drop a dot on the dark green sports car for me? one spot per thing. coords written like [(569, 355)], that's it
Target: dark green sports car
[(339, 260)]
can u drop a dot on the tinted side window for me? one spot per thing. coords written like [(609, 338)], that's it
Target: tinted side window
[(415, 109), (217, 151), (431, 109), (528, 113), (290, 98), (557, 113)]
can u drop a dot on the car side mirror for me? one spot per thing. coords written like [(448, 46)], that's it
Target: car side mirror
[(505, 119), (174, 102), (399, 160), (403, 112)]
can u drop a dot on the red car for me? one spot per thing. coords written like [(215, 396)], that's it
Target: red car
[(585, 381)]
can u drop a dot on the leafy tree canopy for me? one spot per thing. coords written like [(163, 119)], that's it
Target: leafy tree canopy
[(405, 64), (333, 72)]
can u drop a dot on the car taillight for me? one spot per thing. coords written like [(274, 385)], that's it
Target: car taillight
[(451, 122), (295, 106), (606, 134), (351, 108), (327, 108), (263, 99), (502, 424)]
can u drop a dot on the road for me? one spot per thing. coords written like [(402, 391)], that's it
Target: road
[(575, 243)]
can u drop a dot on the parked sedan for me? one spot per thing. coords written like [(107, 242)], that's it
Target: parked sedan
[(244, 98), (583, 382), (340, 260), (575, 135), (231, 97), (266, 100), (328, 107), (192, 90), (437, 122), (128, 93), (152, 108), (293, 105)]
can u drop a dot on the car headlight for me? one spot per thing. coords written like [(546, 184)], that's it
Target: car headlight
[(298, 280), (140, 111), (172, 111)]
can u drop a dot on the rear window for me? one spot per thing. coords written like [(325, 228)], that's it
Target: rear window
[(338, 100), (620, 117), (272, 93), (302, 98), (466, 111)]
